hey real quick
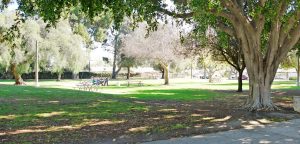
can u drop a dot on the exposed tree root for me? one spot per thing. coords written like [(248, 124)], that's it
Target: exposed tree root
[(261, 107)]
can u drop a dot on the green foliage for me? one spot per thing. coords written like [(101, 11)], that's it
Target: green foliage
[(128, 61), (21, 50), (5, 56), (89, 28), (64, 49), (59, 48), (51, 11), (290, 61), (80, 29)]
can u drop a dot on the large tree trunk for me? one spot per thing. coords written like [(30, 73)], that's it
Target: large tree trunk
[(128, 73), (17, 76), (261, 66), (260, 93), (261, 75)]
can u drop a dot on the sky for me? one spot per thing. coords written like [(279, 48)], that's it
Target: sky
[(13, 5)]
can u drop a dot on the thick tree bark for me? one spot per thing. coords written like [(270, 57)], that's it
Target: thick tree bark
[(17, 76), (259, 94), (128, 73), (261, 76)]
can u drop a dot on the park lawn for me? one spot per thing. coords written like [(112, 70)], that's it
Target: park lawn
[(27, 106), (27, 109), (184, 94), (56, 111)]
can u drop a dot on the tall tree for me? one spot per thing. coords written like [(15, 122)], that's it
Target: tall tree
[(65, 49), (266, 29), (19, 53), (117, 43), (228, 49)]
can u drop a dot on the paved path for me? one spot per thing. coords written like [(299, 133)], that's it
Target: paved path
[(284, 132)]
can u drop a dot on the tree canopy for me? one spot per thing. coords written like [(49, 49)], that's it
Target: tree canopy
[(59, 48)]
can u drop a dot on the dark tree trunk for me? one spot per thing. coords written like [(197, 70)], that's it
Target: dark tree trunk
[(162, 74), (17, 76), (114, 72), (128, 73), (240, 81)]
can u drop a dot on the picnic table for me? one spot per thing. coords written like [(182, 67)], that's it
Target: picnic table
[(87, 86), (92, 85), (100, 81)]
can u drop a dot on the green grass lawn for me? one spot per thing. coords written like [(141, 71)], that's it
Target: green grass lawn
[(54, 104), (23, 106)]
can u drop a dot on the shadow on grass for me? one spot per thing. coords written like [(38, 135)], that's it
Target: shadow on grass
[(27, 106)]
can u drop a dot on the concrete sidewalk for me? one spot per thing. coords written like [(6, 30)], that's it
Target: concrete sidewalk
[(284, 132)]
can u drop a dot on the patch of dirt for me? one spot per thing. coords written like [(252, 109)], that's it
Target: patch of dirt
[(168, 119)]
